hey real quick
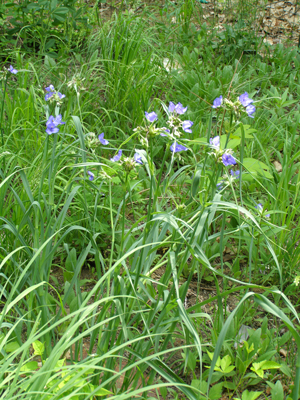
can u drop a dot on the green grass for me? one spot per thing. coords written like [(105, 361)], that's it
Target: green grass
[(95, 272)]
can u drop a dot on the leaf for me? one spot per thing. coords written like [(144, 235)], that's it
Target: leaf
[(30, 366), (215, 392), (277, 391), (11, 347), (250, 395), (257, 167), (38, 348)]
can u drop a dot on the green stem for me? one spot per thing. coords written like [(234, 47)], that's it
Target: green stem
[(297, 378)]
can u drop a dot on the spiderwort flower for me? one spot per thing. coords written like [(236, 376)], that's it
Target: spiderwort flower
[(186, 125), (244, 99), (53, 94), (215, 142), (52, 123), (91, 175), (151, 117), (250, 110), (166, 130), (102, 140), (176, 148), (260, 208), (138, 158), (217, 102), (228, 159), (235, 174), (179, 109), (12, 70), (117, 156)]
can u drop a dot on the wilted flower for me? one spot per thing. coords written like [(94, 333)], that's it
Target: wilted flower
[(228, 159), (186, 125), (138, 158), (179, 109), (129, 164), (175, 148), (91, 175), (12, 70), (217, 102), (52, 123), (102, 140), (151, 117), (215, 142), (117, 156)]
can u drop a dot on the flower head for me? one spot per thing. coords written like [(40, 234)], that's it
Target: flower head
[(151, 117), (53, 95), (138, 158), (102, 140), (228, 159), (217, 102), (244, 99), (186, 125), (175, 148), (12, 70), (179, 109), (215, 142), (52, 123), (91, 175), (117, 156), (235, 174), (250, 110)]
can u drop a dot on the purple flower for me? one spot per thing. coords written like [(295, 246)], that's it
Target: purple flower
[(186, 125), (179, 109), (102, 140), (151, 117), (138, 158), (244, 99), (228, 160), (215, 142), (175, 148), (235, 173), (220, 185), (166, 130), (58, 120), (117, 156), (48, 95), (61, 96), (50, 88), (12, 70), (250, 110), (91, 175), (217, 102), (52, 123), (260, 208)]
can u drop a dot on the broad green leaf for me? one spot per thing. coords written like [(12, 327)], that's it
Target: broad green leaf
[(257, 167), (30, 366), (38, 348), (215, 392), (11, 347)]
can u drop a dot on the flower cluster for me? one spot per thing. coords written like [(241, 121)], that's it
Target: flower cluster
[(52, 124), (76, 83), (243, 105), (128, 163), (53, 95), (224, 156)]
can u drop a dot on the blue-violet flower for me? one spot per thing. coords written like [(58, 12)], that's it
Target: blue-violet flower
[(117, 156), (175, 148), (151, 117), (102, 140), (138, 158), (12, 70), (228, 159), (186, 125), (217, 102), (91, 175)]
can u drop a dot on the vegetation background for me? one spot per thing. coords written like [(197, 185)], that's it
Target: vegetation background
[(149, 250)]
